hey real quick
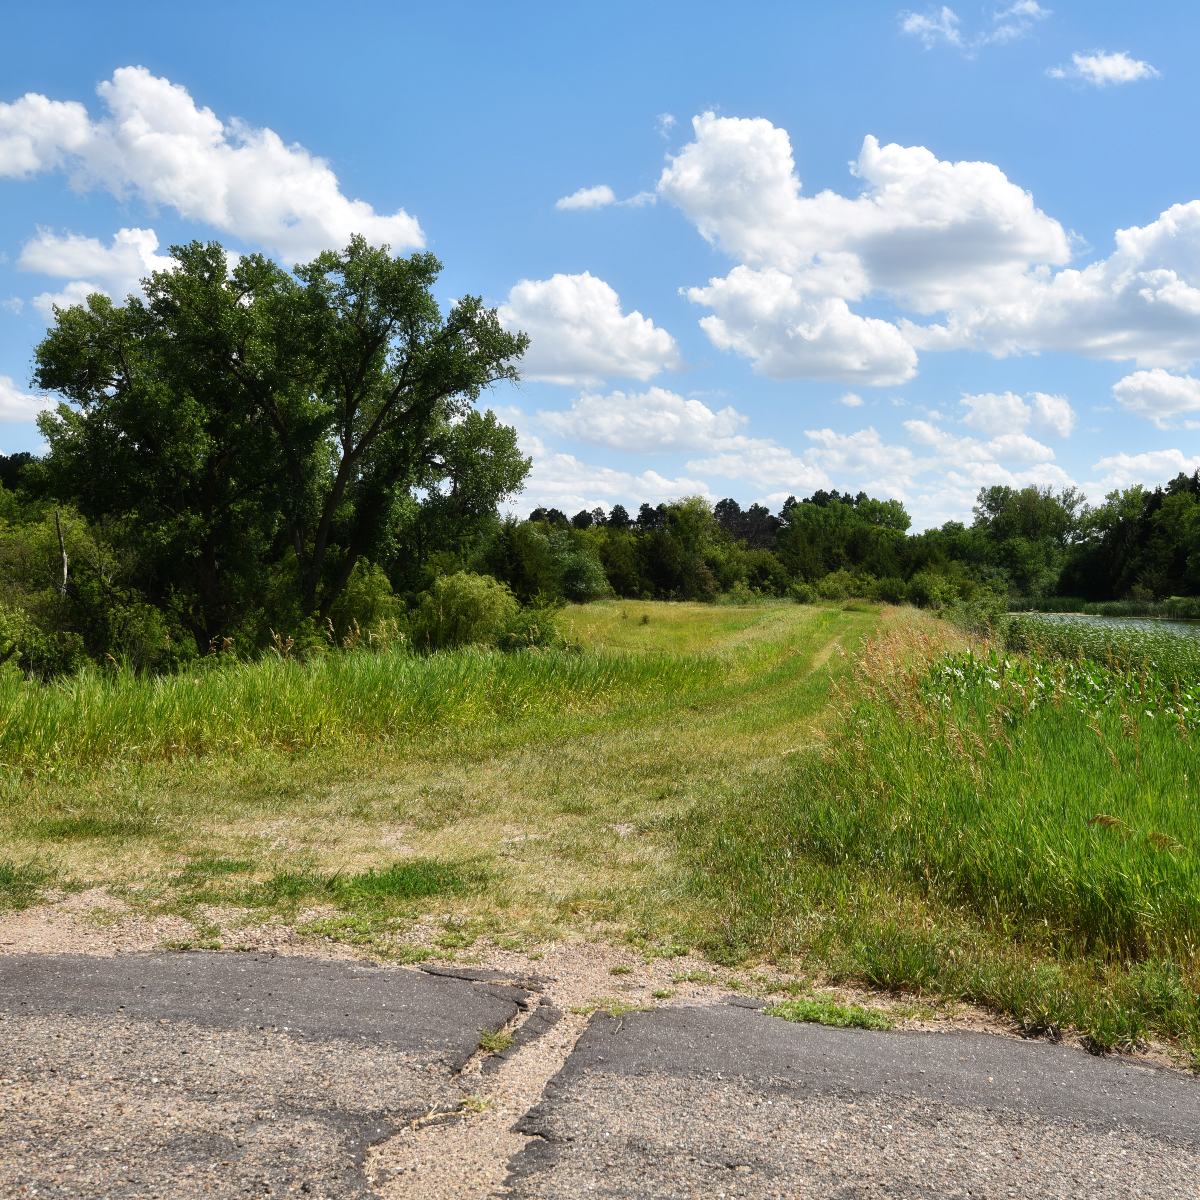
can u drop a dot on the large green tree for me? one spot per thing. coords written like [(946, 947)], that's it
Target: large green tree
[(239, 414)]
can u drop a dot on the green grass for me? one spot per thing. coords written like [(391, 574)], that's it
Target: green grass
[(1011, 830), (228, 710), (20, 884), (531, 795), (823, 1012)]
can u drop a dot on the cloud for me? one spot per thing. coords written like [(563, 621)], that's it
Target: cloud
[(14, 304), (1103, 69), (646, 422), (664, 124), (1003, 447), (1151, 468), (579, 334), (991, 413), (1157, 395), (1142, 302), (594, 197), (931, 237), (942, 25), (764, 316), (602, 196), (16, 406), (155, 144), (114, 270), (850, 400), (1053, 413)]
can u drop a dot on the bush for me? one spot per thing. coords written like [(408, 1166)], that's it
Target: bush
[(837, 585), (531, 627), (891, 589), (927, 590), (460, 610), (581, 577), (802, 593), (366, 602)]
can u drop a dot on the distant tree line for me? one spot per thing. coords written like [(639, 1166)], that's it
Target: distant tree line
[(249, 458)]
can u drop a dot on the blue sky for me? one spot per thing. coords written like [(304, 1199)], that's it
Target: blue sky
[(762, 319)]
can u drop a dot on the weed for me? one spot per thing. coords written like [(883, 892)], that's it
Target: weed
[(663, 993), (617, 1008), (20, 885), (695, 976), (496, 1042), (620, 970), (477, 1103), (826, 1013)]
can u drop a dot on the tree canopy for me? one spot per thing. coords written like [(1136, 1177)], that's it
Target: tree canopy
[(254, 431)]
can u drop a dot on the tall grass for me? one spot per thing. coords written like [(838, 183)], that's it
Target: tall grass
[(1138, 646), (94, 718), (1039, 792), (1017, 829)]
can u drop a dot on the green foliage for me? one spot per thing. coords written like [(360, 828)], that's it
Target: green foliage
[(237, 416), (463, 610), (823, 1012), (928, 590)]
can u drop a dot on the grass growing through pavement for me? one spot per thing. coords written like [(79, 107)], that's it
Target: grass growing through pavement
[(826, 1013)]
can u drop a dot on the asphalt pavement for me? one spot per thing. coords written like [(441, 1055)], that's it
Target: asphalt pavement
[(725, 1101), (227, 1074), (180, 1075)]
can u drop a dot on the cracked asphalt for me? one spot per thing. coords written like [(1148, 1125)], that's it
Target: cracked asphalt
[(227, 1074), (724, 1101), (180, 1075)]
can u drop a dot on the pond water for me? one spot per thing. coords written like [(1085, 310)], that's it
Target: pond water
[(1169, 625)]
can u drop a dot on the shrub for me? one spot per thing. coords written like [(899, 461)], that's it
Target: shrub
[(581, 577), (530, 627), (837, 585), (462, 609), (927, 590), (891, 589), (802, 593)]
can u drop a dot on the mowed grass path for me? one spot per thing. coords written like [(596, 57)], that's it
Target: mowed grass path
[(556, 782)]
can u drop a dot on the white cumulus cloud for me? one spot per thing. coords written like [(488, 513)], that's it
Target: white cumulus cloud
[(17, 406), (933, 237), (1158, 395), (578, 334), (157, 145), (1103, 69), (650, 421), (114, 269), (1152, 468), (1053, 413), (593, 197)]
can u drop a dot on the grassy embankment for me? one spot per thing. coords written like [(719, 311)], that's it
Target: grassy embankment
[(522, 794), (1017, 830), (1012, 829)]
